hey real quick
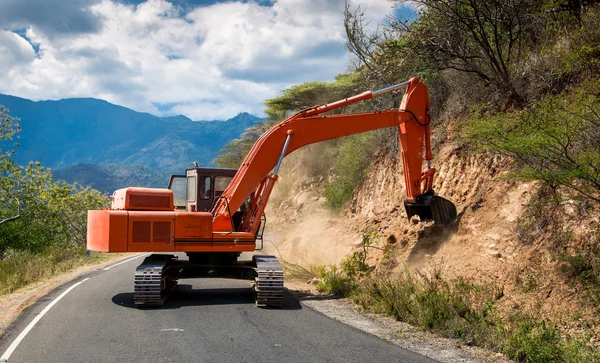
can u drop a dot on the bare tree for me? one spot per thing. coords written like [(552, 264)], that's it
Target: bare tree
[(483, 37)]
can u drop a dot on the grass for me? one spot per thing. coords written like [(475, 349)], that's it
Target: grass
[(458, 308), (18, 269)]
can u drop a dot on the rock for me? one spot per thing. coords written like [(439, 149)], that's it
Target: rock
[(301, 199), (392, 239), (493, 253), (313, 281)]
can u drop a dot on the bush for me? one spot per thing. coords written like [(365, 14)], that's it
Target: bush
[(456, 308), (335, 282), (582, 269), (535, 341), (554, 140), (350, 167)]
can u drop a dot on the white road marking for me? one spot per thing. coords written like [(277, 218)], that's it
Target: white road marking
[(172, 329), (122, 262), (17, 341)]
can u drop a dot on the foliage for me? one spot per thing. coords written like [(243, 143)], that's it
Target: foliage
[(50, 213), (554, 140), (483, 38), (350, 166), (535, 341), (581, 268), (306, 95), (457, 308), (462, 309), (334, 281), (19, 268), (236, 150), (344, 280), (355, 265)]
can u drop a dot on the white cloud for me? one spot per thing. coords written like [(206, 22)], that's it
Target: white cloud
[(15, 50), (209, 63)]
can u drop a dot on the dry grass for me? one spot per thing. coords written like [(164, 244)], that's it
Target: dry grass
[(18, 269)]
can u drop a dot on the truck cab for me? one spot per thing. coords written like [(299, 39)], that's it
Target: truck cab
[(197, 190)]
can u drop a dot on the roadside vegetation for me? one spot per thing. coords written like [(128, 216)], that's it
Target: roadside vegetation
[(511, 78), (458, 308), (42, 222)]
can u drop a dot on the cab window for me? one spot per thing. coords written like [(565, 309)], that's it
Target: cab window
[(205, 188), (191, 189), (178, 186), (221, 183)]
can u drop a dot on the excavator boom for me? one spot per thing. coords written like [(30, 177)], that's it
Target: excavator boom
[(254, 179)]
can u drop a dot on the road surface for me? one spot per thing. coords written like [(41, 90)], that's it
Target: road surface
[(204, 320)]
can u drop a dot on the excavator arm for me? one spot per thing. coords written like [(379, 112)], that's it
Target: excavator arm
[(258, 173)]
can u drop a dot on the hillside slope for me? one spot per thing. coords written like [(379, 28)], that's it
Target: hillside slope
[(496, 241)]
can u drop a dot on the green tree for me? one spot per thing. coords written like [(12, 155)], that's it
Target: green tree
[(51, 213)]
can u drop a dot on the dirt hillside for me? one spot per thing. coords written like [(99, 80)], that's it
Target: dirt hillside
[(487, 241)]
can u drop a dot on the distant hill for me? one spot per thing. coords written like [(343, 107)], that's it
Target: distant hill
[(64, 133), (110, 177)]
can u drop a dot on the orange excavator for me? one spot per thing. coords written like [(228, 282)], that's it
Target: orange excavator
[(213, 215)]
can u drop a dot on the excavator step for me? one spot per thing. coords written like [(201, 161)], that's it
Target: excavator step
[(268, 285)]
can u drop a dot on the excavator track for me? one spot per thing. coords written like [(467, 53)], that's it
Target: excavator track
[(268, 286), (151, 286)]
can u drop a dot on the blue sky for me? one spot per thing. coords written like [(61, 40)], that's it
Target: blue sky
[(205, 59)]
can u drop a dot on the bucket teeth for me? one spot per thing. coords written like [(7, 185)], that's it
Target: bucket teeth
[(268, 285), (432, 208)]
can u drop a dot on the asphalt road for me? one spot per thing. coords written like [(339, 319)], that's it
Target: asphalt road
[(204, 320)]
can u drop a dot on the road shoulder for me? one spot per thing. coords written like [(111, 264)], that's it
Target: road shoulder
[(13, 304), (387, 328)]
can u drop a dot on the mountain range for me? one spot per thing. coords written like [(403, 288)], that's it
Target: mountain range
[(87, 135)]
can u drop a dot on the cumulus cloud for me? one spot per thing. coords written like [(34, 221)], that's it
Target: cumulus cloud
[(51, 16), (207, 62), (15, 49)]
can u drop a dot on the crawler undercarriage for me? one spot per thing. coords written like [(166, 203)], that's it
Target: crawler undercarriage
[(157, 276)]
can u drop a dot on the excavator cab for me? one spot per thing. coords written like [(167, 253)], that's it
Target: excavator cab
[(197, 189)]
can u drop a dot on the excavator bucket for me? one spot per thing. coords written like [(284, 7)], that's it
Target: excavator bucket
[(432, 208)]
